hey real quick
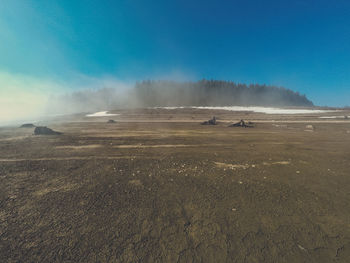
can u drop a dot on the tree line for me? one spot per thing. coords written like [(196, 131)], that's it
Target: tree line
[(153, 93)]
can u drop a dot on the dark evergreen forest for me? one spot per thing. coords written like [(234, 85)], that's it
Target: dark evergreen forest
[(215, 93)]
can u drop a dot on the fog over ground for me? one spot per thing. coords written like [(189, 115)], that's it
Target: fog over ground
[(24, 98)]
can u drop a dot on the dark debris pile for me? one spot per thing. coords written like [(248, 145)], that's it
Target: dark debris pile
[(210, 122), (243, 124)]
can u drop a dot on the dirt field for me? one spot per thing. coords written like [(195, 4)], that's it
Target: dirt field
[(159, 187)]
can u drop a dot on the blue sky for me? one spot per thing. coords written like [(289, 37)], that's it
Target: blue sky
[(302, 45)]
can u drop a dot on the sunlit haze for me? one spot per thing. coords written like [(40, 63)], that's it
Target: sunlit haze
[(48, 47)]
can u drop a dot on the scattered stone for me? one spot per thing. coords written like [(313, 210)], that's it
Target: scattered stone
[(210, 122), (136, 183), (27, 125), (232, 166), (302, 248), (280, 125), (45, 131), (242, 123), (187, 224), (310, 127)]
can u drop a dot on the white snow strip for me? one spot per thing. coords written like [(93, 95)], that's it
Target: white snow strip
[(101, 114), (334, 117), (267, 110)]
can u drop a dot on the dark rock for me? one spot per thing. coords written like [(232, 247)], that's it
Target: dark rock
[(45, 131), (111, 121), (27, 125)]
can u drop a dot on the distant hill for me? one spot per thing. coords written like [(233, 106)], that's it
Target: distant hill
[(214, 93)]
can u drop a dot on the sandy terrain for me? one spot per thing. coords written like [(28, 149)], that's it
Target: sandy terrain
[(159, 187)]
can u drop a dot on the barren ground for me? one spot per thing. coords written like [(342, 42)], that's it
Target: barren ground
[(158, 187)]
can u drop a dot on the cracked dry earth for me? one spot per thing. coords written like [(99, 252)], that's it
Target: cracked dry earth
[(112, 193)]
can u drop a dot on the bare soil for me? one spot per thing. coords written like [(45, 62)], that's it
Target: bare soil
[(159, 187)]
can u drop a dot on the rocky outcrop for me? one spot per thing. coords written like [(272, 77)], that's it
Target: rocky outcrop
[(45, 131)]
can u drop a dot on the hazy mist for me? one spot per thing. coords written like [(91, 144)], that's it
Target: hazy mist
[(25, 98)]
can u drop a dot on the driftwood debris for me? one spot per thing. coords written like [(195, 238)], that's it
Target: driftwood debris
[(243, 124), (210, 122)]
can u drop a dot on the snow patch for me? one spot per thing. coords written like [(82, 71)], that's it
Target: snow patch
[(334, 117), (101, 114), (267, 110)]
